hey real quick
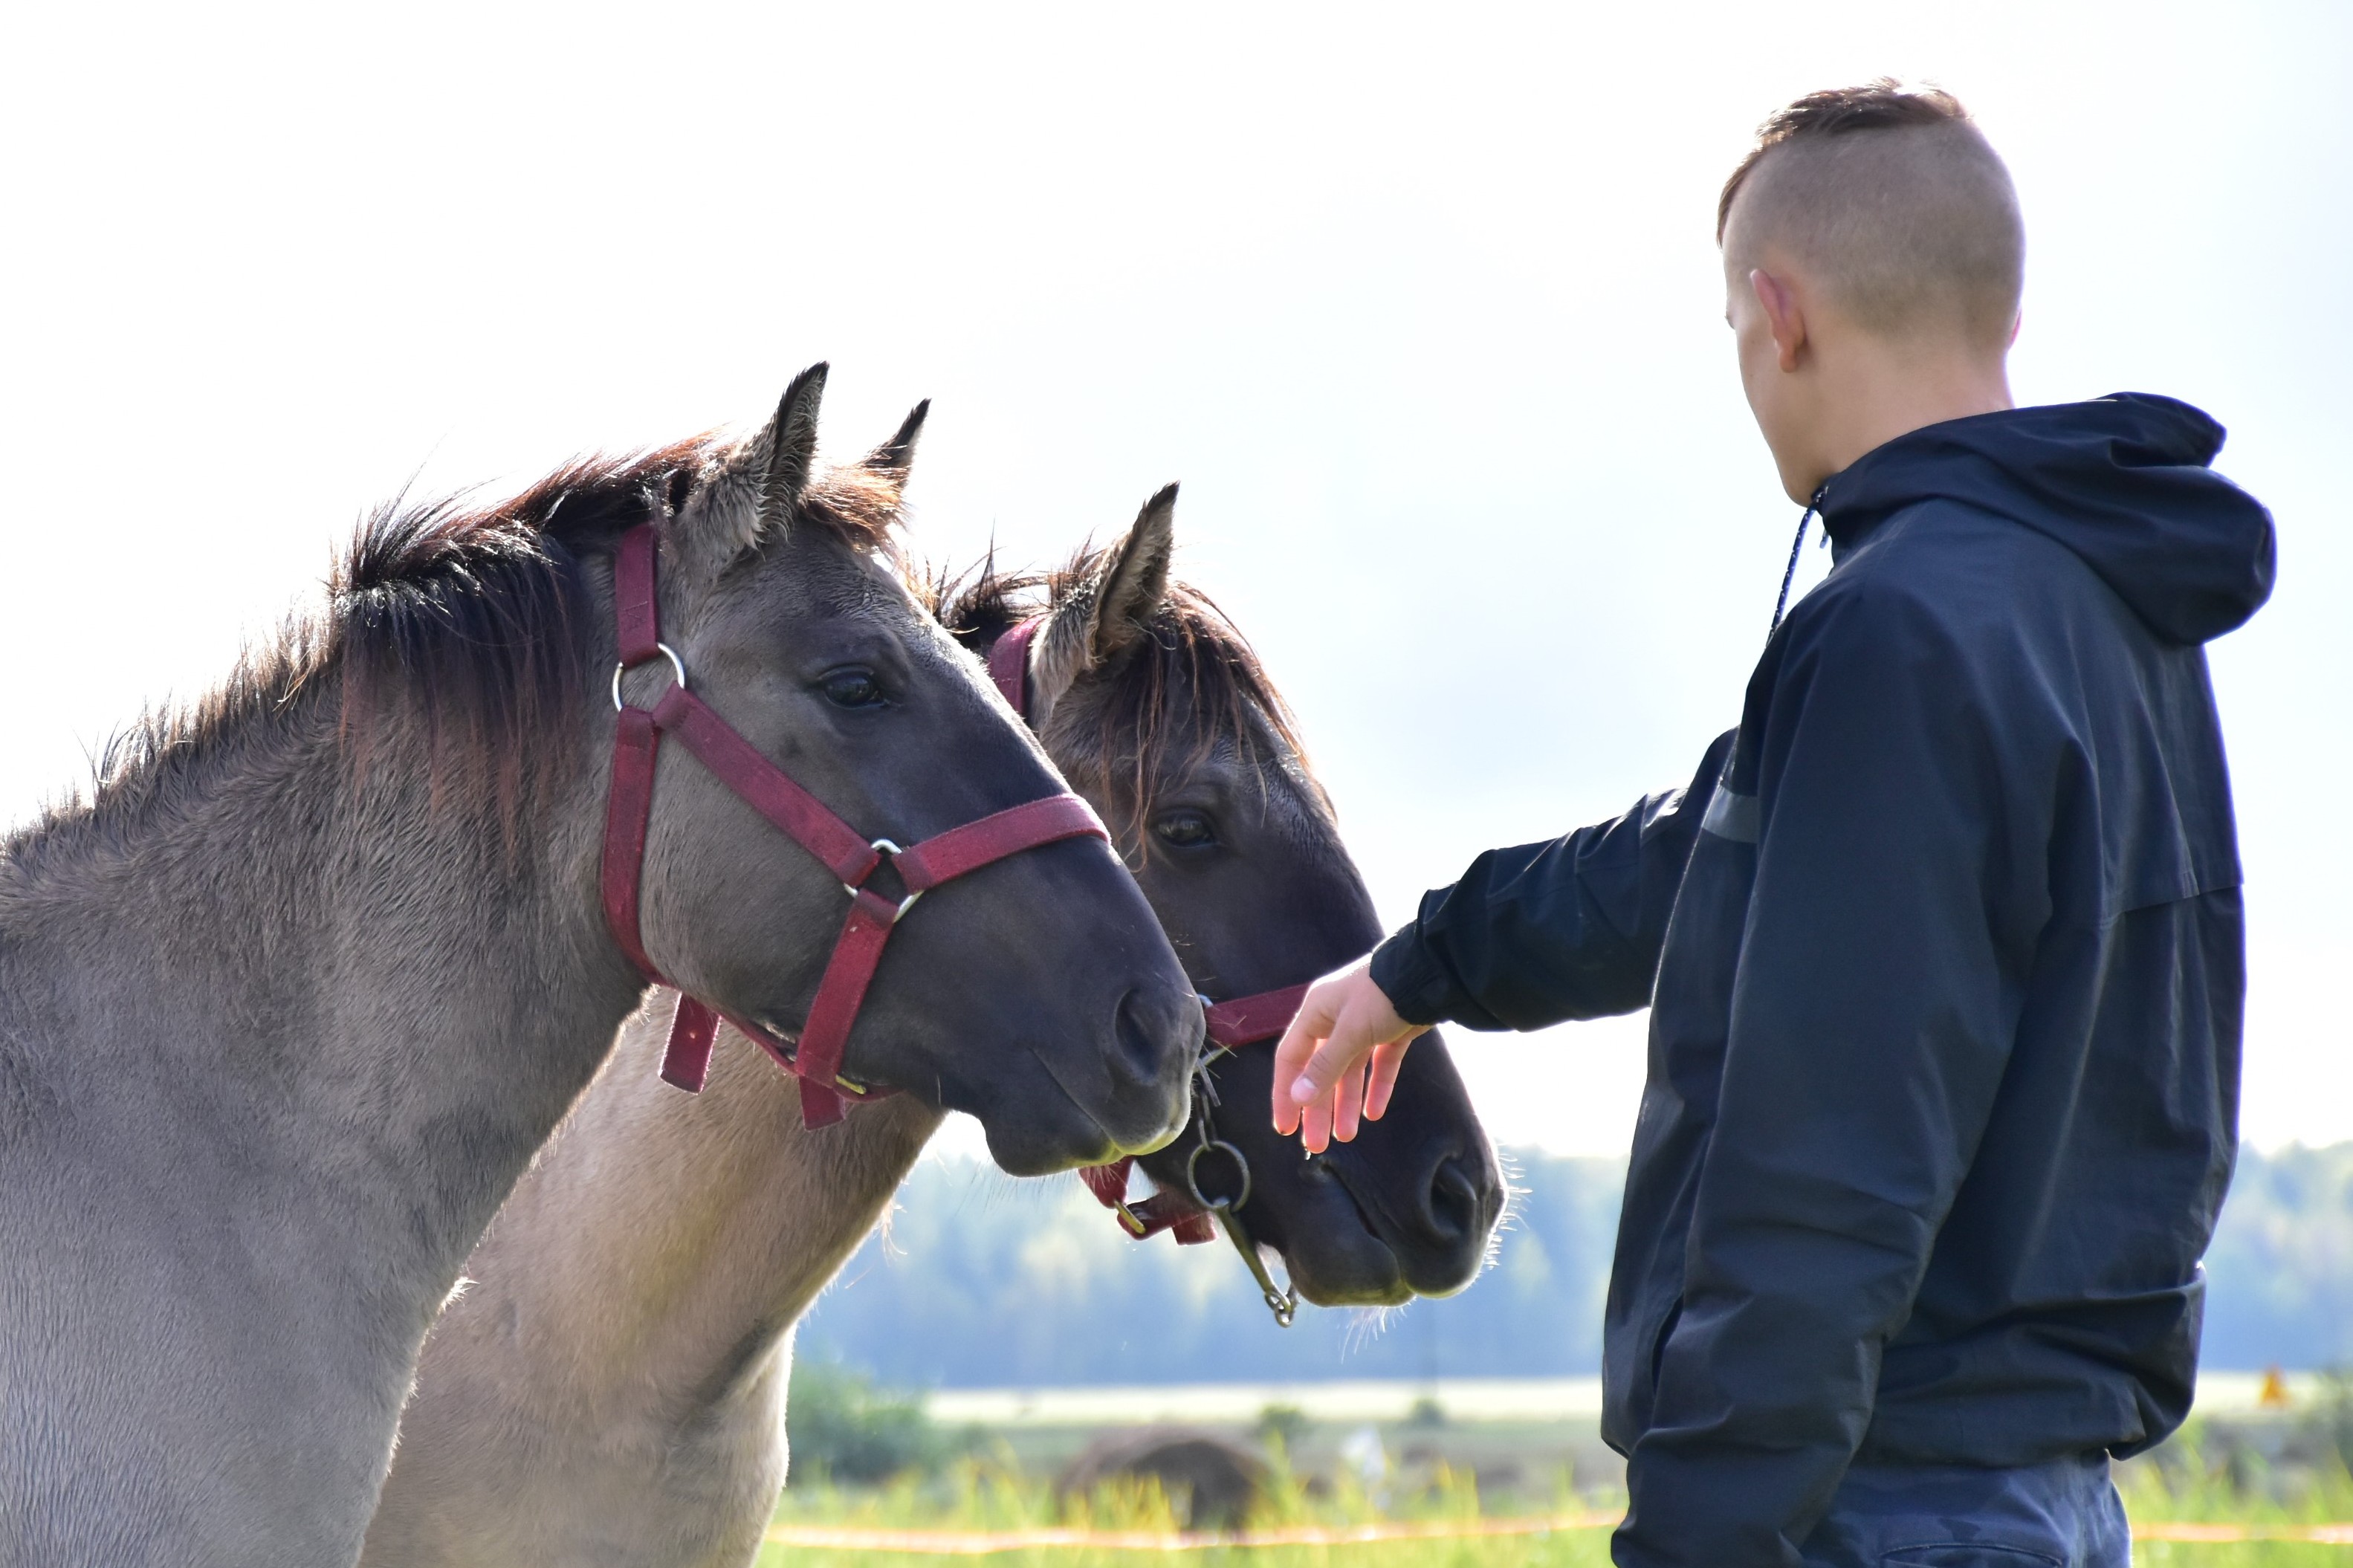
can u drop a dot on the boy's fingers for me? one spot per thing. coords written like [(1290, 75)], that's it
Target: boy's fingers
[(1315, 1127), (1321, 1088), (1386, 1060), (1309, 1029), (1286, 1110), (1348, 1043), (1348, 1105)]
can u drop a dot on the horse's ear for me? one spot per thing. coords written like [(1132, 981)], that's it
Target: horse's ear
[(895, 457), (1134, 580), (790, 444)]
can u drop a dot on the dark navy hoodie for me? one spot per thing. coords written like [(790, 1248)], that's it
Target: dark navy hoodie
[(1945, 956)]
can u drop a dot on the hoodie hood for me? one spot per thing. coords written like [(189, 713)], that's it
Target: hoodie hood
[(2121, 482)]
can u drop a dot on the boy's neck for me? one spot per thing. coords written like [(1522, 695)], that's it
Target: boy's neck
[(1882, 393)]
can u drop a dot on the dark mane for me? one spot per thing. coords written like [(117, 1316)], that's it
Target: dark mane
[(475, 617), (472, 618), (1192, 680), (981, 606)]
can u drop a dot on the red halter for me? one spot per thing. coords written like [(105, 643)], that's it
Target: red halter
[(768, 790), (1244, 1021), (1232, 1025)]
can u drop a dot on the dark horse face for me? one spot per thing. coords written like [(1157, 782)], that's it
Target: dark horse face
[(1160, 714), (1037, 993)]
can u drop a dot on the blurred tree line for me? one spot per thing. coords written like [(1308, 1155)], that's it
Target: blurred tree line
[(2280, 1273), (984, 1281)]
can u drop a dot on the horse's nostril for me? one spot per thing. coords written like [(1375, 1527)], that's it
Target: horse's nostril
[(1158, 1030), (1452, 1205)]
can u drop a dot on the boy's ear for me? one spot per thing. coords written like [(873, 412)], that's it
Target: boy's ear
[(1782, 314), (1133, 581)]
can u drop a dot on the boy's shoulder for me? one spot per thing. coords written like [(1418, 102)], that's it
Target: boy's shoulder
[(1944, 569), (2068, 516)]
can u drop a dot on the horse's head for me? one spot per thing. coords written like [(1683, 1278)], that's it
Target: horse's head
[(1037, 992), (1161, 715)]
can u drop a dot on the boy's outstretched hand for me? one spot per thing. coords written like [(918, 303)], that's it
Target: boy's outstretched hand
[(1320, 1084)]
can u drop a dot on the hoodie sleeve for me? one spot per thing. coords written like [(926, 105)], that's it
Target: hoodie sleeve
[(1875, 997), (1546, 933)]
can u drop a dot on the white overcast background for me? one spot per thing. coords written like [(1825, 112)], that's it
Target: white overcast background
[(1422, 304)]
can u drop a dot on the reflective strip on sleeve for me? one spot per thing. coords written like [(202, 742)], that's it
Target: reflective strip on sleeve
[(1730, 816)]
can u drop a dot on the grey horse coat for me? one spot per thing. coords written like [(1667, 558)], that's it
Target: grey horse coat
[(288, 1003)]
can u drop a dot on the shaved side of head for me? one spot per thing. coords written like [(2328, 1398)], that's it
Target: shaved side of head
[(1893, 200)]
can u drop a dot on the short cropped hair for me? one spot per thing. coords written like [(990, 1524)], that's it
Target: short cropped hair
[(1894, 197)]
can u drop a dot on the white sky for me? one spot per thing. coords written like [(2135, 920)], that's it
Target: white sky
[(1421, 303)]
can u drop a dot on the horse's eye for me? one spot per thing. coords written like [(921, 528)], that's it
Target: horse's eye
[(1185, 829), (853, 688)]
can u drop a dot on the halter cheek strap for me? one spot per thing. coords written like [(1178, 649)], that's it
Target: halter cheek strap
[(852, 858)]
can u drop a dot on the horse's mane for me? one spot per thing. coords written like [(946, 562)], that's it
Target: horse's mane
[(1192, 678), (472, 617)]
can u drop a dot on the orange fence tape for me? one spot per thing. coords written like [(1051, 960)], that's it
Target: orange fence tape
[(986, 1543), (2187, 1531)]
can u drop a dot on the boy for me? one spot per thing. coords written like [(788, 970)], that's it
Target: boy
[(1943, 945)]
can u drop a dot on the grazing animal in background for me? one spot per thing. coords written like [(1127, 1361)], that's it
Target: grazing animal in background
[(1212, 1482), (611, 1388), (287, 1005)]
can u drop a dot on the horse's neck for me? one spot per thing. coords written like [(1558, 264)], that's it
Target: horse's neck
[(398, 991), (659, 1250)]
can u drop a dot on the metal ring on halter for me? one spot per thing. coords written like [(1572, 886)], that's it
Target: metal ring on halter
[(676, 665), (885, 848), (1284, 1304), (1193, 1183)]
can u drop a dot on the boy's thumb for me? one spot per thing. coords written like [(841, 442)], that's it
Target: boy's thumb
[(1323, 1070)]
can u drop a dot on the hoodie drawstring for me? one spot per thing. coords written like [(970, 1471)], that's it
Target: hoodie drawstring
[(1790, 574)]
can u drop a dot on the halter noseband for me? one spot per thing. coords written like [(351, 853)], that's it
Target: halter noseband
[(1188, 1216), (770, 790)]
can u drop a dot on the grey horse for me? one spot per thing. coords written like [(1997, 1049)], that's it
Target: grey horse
[(288, 1002), (610, 1387)]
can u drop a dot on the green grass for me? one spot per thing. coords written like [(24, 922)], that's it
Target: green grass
[(2237, 1487), (993, 1493)]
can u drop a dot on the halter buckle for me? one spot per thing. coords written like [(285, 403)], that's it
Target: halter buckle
[(887, 849), (677, 667)]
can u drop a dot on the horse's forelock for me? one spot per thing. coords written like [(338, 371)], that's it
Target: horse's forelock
[(1192, 680), (859, 504)]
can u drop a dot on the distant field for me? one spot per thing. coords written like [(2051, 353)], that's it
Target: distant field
[(1374, 1400), (1483, 1399)]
